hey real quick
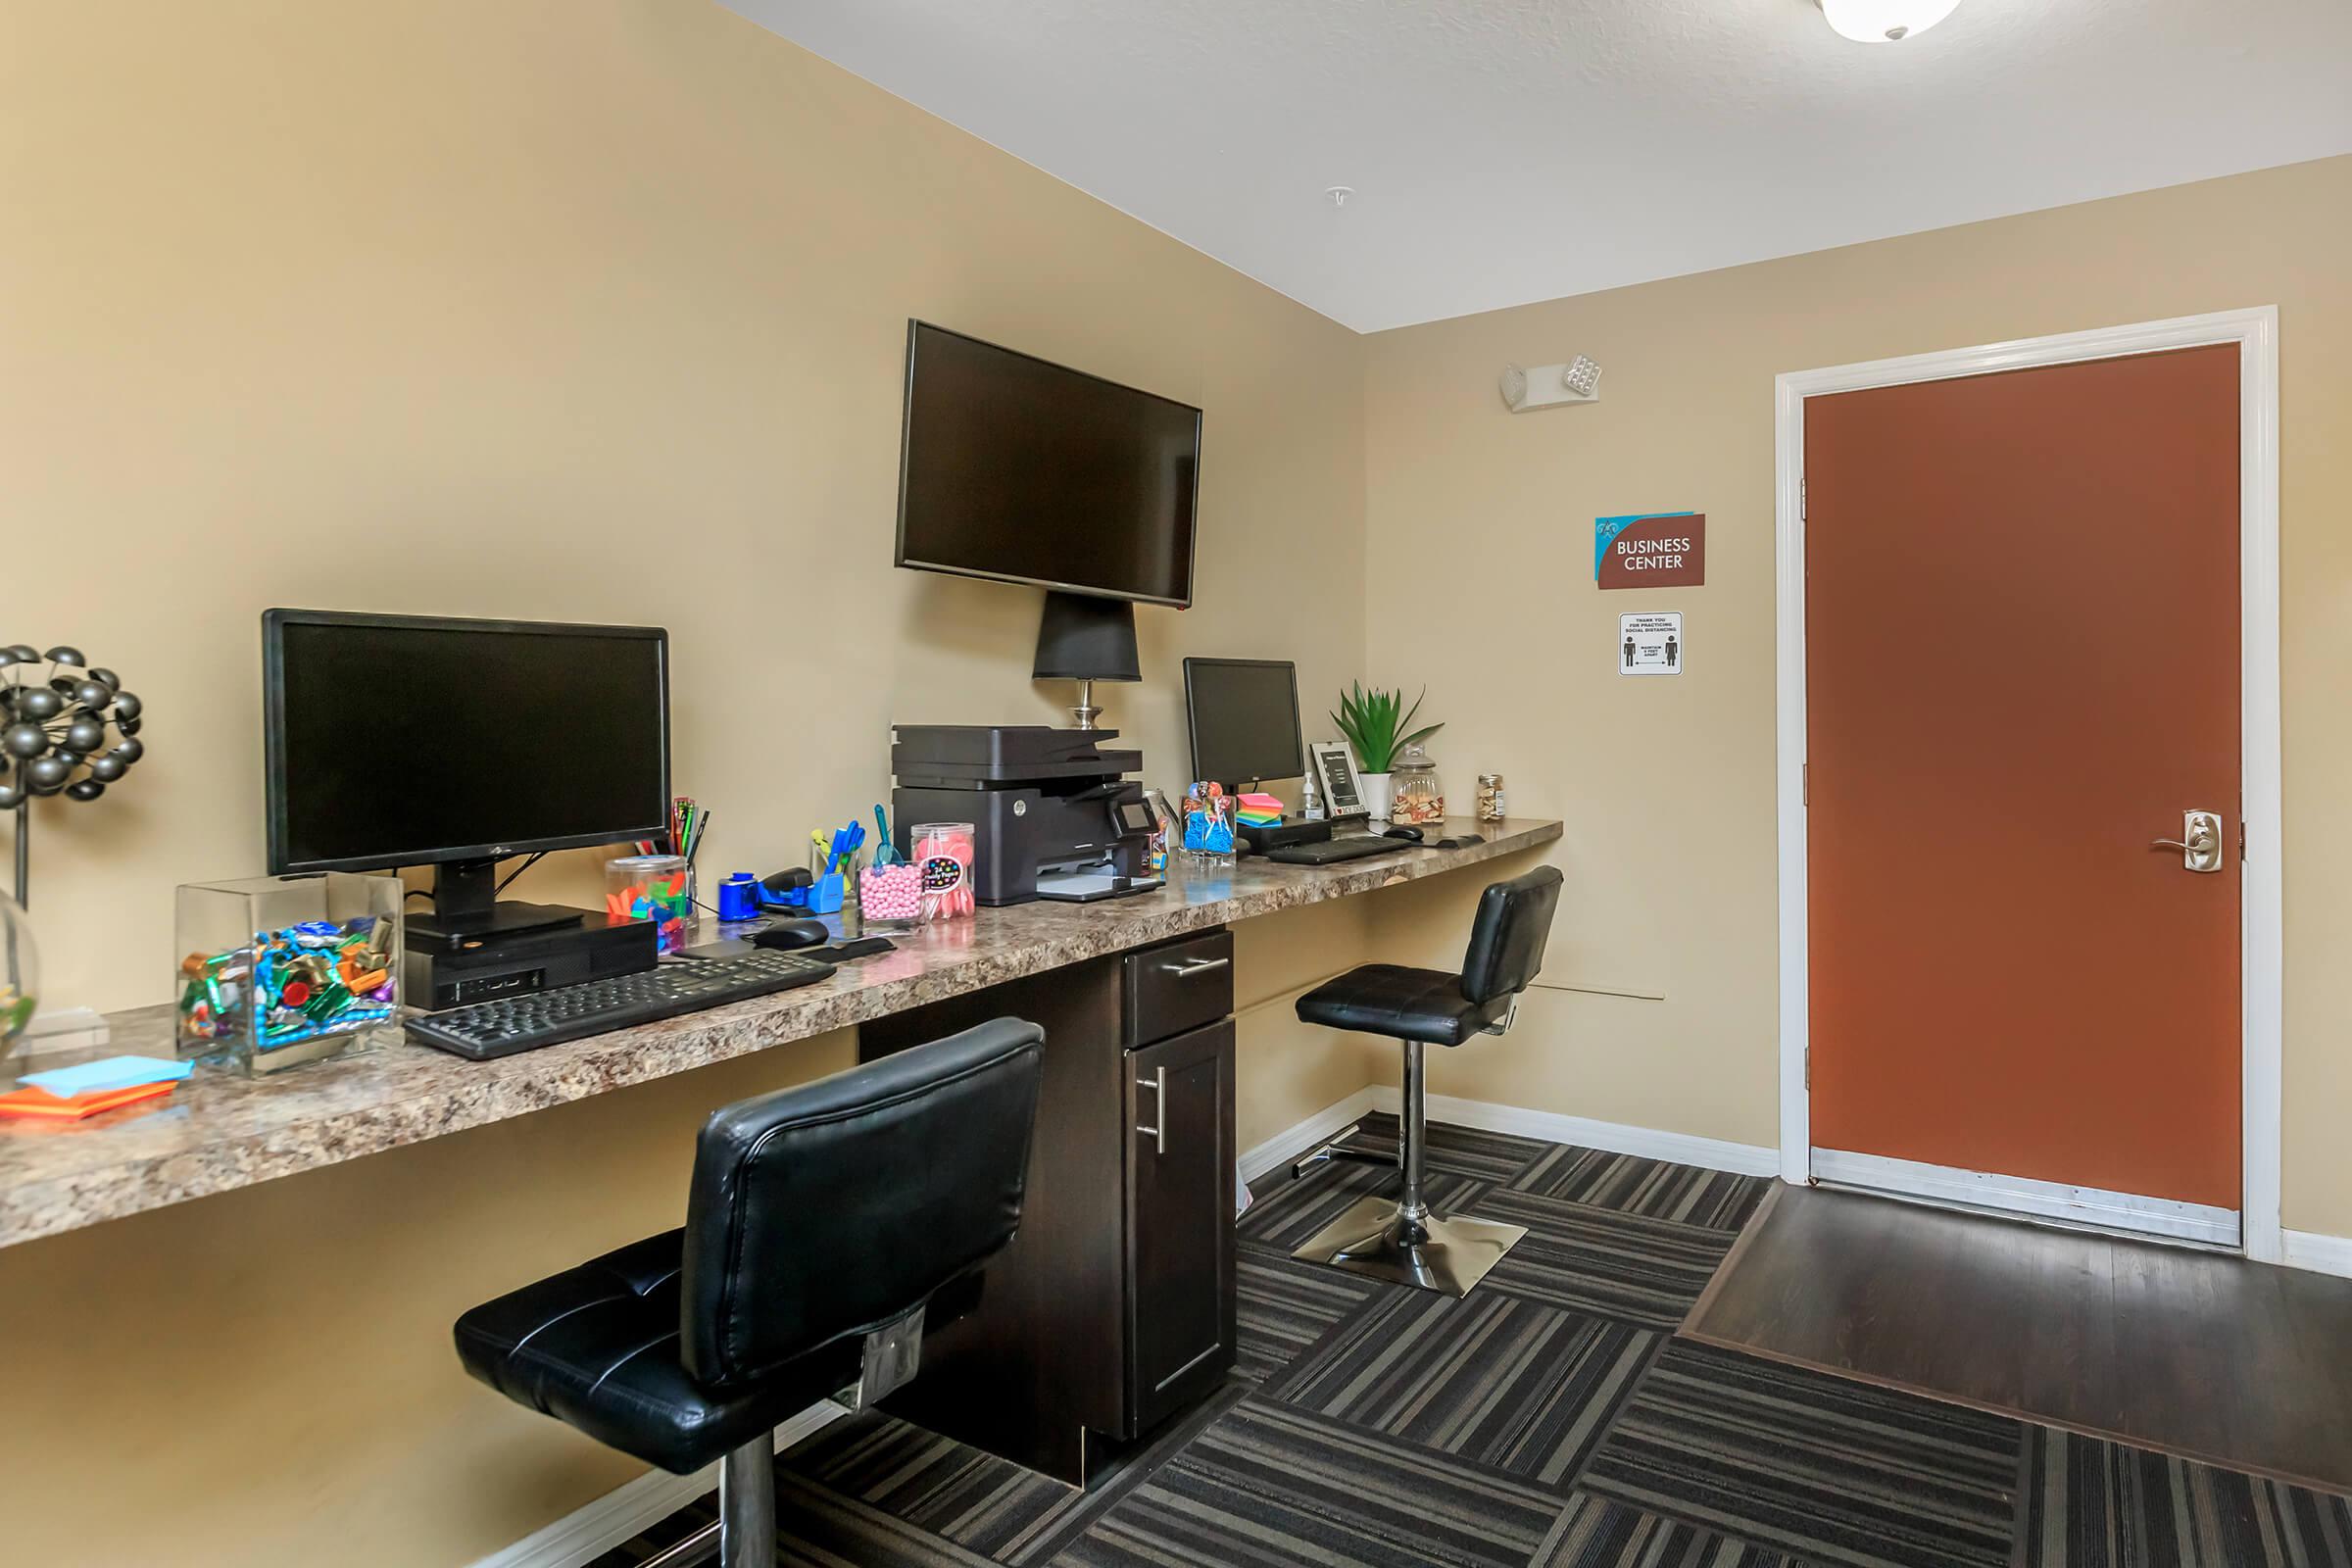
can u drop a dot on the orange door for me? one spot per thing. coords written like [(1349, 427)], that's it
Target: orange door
[(2021, 666)]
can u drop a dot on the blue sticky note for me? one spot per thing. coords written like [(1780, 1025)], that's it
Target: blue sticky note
[(115, 1072)]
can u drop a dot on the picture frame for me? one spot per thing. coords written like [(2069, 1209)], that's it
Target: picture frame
[(1335, 769)]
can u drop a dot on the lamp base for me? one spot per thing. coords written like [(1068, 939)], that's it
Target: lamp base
[(1086, 711)]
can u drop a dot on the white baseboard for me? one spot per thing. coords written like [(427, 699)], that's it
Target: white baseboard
[(583, 1536), (1617, 1138), (2321, 1254), (1296, 1140), (2092, 1206)]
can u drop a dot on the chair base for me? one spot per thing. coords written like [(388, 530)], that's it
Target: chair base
[(1339, 1150), (744, 1535), (1447, 1256)]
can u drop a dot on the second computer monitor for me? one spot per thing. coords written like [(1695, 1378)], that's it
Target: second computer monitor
[(1244, 720)]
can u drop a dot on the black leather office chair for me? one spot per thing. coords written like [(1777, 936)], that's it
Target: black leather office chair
[(819, 1222), (1405, 1240)]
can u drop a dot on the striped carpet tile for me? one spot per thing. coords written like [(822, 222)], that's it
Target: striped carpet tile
[(2090, 1504), (1286, 1305), (1602, 1261), (1272, 1487), (1686, 1193), (974, 1500), (1799, 1461), (1291, 1212), (819, 1528), (1492, 1379), (1595, 1533), (1465, 1150)]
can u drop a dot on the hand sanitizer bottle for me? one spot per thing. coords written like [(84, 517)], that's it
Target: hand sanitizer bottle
[(1310, 805)]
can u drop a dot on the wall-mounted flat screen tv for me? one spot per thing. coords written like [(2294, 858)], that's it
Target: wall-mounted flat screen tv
[(1020, 470)]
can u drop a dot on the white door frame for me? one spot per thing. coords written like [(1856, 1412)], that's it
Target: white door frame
[(2255, 331)]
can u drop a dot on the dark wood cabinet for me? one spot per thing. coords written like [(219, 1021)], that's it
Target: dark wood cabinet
[(1113, 1306), (1180, 1241)]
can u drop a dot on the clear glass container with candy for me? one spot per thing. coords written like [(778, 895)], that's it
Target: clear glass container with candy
[(1416, 797), (276, 971), (653, 887), (943, 854), (1209, 827)]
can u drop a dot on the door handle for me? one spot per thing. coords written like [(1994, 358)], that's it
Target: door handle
[(1194, 966), (2199, 843), (1157, 1083)]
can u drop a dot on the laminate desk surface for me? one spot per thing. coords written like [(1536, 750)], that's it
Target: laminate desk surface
[(223, 1130)]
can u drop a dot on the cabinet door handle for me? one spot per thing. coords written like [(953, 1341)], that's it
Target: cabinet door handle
[(1185, 971), (1157, 1083)]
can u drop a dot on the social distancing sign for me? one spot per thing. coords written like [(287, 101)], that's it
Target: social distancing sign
[(1651, 644)]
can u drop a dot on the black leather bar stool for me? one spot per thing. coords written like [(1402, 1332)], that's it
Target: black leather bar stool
[(819, 1222), (1403, 1241)]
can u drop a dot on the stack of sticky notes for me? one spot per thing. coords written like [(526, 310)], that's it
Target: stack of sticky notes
[(88, 1088), (1258, 811)]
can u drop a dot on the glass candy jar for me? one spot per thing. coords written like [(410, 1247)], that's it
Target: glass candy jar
[(1416, 798), (652, 887), (280, 971)]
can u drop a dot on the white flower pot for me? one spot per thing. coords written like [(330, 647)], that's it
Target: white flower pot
[(1375, 788)]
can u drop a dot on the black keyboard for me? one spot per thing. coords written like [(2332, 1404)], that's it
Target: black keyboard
[(1353, 847), (538, 1018)]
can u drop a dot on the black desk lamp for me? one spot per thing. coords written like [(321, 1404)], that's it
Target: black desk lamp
[(1085, 640)]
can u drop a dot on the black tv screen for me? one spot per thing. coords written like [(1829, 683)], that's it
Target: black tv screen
[(398, 740), (1020, 470)]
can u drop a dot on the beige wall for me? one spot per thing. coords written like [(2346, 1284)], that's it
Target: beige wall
[(545, 308), (556, 310), (502, 306), (1667, 785)]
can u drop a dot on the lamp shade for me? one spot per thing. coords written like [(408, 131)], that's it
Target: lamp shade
[(1884, 21), (1082, 638)]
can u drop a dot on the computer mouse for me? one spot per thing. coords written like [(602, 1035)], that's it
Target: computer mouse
[(790, 934), (1403, 831)]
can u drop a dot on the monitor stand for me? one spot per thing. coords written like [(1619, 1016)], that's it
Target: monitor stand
[(466, 908)]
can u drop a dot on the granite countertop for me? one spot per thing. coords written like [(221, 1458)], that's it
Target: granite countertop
[(221, 1130)]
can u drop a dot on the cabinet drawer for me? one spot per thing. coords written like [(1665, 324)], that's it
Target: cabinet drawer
[(1180, 986)]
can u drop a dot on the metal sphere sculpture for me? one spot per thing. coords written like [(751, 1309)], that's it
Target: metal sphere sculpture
[(54, 727), (53, 734)]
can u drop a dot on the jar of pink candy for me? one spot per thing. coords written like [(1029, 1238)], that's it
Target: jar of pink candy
[(891, 893), (943, 860)]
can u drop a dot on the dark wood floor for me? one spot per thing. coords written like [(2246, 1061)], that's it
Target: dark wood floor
[(2209, 1356)]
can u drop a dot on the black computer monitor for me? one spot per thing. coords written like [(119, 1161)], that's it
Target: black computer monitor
[(1244, 714), (401, 740)]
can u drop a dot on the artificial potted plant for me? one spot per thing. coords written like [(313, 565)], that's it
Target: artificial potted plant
[(1374, 723)]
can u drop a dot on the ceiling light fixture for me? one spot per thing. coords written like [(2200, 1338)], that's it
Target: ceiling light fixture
[(1884, 21), (1337, 195)]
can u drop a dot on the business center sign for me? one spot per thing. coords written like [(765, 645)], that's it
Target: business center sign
[(1650, 550)]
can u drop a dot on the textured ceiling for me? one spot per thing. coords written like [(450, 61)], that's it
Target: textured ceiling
[(1504, 151)]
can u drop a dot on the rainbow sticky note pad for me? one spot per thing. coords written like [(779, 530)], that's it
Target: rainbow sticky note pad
[(1258, 811)]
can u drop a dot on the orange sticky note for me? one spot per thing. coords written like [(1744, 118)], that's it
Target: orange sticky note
[(40, 1103)]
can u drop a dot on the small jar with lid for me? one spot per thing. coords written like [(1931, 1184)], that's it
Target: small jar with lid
[(1417, 797), (1491, 806)]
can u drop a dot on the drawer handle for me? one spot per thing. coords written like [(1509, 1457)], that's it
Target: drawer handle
[(1157, 1083), (1194, 966)]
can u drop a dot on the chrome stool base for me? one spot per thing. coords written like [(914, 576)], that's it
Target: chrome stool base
[(1339, 1149), (1432, 1253)]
